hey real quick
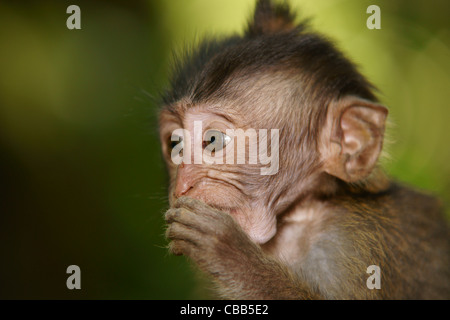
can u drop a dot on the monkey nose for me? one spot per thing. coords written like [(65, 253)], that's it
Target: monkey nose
[(182, 188)]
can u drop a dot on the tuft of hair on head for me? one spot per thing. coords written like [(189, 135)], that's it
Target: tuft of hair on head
[(272, 18)]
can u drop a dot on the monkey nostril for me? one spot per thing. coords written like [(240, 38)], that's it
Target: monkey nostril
[(182, 192)]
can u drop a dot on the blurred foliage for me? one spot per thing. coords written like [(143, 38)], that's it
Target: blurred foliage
[(81, 176)]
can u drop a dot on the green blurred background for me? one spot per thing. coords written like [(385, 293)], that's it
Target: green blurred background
[(81, 176)]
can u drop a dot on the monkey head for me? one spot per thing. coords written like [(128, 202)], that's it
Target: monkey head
[(276, 77)]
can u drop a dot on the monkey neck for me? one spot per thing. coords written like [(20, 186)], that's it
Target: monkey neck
[(296, 230), (304, 217), (324, 187)]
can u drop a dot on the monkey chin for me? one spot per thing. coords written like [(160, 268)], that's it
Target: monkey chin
[(260, 226), (261, 237)]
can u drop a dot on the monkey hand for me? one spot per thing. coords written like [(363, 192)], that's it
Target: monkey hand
[(220, 248), (210, 237)]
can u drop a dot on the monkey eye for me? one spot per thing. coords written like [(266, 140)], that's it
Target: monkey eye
[(215, 140), (173, 141)]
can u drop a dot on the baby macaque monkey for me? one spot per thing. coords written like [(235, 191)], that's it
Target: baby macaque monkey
[(313, 225)]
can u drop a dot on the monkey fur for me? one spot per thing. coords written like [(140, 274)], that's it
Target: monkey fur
[(311, 230)]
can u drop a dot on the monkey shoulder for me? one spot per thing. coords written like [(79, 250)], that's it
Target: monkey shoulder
[(399, 208), (403, 231)]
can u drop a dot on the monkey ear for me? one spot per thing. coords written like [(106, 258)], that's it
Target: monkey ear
[(353, 138), (271, 18)]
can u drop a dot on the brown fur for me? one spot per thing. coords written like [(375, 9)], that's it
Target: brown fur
[(311, 230)]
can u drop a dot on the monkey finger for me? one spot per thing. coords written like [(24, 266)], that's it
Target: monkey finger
[(180, 247), (172, 215), (188, 202), (178, 231), (200, 222), (183, 216), (198, 206)]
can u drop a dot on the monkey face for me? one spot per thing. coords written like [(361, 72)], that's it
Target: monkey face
[(217, 167)]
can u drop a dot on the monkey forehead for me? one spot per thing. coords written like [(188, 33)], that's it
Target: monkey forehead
[(263, 94), (185, 111)]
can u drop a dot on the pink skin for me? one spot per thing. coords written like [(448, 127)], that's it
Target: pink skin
[(218, 185)]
